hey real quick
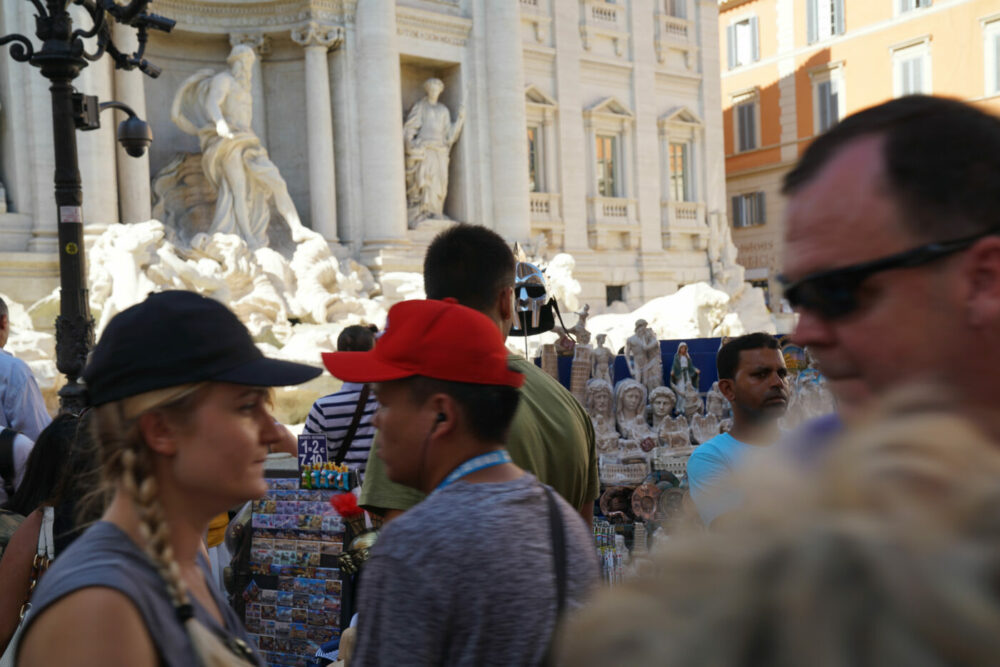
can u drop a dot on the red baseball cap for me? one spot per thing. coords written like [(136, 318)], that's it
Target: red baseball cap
[(436, 339)]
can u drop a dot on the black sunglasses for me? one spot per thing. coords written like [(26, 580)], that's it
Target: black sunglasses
[(833, 294)]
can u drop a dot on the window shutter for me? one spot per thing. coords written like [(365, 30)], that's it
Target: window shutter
[(839, 8), (751, 126), (731, 43), (760, 208), (737, 217), (755, 38), (812, 21)]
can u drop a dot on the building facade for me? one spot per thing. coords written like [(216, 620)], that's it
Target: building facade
[(793, 68), (593, 127)]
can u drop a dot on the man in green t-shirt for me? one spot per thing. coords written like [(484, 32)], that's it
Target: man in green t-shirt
[(551, 436)]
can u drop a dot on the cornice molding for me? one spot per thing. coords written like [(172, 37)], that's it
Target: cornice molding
[(259, 16), (432, 26)]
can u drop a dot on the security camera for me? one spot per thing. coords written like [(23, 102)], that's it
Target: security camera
[(135, 135)]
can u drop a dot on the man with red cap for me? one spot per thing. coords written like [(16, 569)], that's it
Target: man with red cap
[(479, 571)]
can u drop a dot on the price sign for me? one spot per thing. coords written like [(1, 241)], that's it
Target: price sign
[(312, 449)]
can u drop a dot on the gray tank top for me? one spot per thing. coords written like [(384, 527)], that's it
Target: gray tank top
[(105, 556)]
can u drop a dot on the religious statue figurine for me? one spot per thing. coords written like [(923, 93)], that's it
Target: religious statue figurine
[(630, 415), (599, 406), (428, 135), (715, 403), (684, 381), (217, 107), (642, 351), (604, 360), (661, 402)]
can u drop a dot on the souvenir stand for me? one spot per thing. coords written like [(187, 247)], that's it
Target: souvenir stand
[(291, 603), (650, 407)]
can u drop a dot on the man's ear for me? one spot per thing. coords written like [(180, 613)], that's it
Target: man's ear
[(158, 433), (728, 389), (982, 283), (445, 414), (505, 304)]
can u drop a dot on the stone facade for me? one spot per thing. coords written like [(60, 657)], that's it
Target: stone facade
[(593, 127)]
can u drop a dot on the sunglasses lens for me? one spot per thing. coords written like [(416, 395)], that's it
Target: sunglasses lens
[(830, 299)]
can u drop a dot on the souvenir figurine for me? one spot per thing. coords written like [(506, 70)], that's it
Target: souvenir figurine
[(642, 351), (661, 403), (675, 432), (715, 403), (604, 360), (684, 381), (630, 414), (599, 406)]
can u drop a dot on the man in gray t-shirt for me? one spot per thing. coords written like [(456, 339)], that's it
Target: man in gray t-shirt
[(468, 576)]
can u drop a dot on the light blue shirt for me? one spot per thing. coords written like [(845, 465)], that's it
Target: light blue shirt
[(708, 472), (21, 405)]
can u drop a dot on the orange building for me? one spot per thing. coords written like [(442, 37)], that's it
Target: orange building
[(793, 68)]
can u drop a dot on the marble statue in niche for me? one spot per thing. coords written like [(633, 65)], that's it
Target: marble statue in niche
[(604, 360), (684, 382), (599, 406), (217, 107), (428, 136), (642, 351)]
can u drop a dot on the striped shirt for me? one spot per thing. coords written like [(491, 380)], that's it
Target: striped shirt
[(332, 415)]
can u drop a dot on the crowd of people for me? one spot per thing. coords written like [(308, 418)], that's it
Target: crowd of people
[(866, 537)]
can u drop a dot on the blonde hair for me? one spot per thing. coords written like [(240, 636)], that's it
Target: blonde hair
[(885, 556)]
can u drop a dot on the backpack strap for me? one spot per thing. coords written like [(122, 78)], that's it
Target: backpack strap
[(359, 411), (559, 562), (7, 471)]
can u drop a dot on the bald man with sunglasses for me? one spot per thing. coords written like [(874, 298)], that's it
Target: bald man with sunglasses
[(892, 252)]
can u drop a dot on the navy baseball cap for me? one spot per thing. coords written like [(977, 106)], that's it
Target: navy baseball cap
[(174, 338)]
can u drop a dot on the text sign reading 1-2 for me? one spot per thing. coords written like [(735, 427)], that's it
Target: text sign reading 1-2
[(312, 449)]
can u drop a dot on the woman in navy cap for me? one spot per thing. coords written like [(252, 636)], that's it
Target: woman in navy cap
[(181, 401)]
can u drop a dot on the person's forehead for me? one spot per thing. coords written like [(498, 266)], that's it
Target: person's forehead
[(761, 357), (844, 214)]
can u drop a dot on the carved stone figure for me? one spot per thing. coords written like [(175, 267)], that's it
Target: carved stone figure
[(599, 406), (579, 330), (715, 403), (684, 381), (217, 107), (704, 428), (604, 360), (630, 415), (661, 401), (428, 135), (642, 351), (675, 432)]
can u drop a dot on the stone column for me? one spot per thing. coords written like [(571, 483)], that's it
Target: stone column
[(550, 153), (380, 115), (134, 198), (505, 99), (261, 44), (317, 40)]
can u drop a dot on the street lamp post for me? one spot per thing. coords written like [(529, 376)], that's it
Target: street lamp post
[(60, 59)]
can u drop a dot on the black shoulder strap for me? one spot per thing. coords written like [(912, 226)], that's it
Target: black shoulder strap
[(559, 560), (359, 410), (7, 436)]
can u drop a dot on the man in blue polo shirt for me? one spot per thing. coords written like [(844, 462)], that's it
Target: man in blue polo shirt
[(753, 377)]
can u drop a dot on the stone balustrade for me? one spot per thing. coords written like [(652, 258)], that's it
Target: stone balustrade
[(684, 225)]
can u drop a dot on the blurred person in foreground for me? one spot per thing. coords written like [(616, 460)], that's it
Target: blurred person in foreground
[(478, 573), (22, 407), (552, 436), (753, 378), (183, 433), (887, 556), (892, 254)]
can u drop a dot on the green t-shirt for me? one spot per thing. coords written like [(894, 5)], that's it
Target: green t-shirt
[(551, 437)]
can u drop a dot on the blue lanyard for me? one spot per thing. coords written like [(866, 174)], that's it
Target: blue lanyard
[(475, 464)]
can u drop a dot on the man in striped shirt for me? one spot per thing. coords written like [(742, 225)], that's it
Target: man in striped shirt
[(332, 415)]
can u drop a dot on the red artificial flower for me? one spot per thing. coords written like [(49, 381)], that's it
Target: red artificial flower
[(346, 505)]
